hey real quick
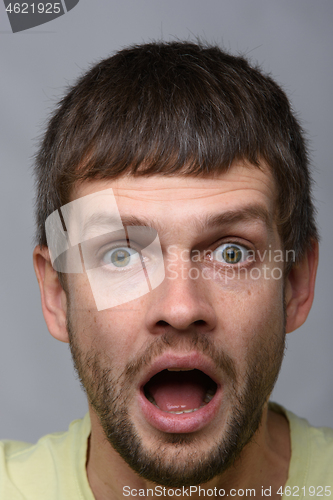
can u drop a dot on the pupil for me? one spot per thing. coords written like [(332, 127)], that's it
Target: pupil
[(232, 255)]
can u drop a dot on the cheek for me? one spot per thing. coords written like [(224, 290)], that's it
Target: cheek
[(114, 332), (81, 299), (249, 315)]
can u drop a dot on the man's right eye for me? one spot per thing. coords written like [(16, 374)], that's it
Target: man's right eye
[(121, 257)]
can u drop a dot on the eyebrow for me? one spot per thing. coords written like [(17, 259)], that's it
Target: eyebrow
[(251, 213)]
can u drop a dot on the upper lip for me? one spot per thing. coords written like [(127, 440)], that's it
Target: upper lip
[(194, 360)]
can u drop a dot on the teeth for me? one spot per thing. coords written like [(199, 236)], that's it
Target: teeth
[(208, 398), (151, 399), (187, 411), (184, 411), (180, 369), (209, 395)]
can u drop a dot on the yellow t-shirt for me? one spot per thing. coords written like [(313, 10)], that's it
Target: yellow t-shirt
[(55, 467), (311, 464), (52, 469)]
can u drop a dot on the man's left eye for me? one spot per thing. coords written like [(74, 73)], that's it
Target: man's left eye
[(230, 253)]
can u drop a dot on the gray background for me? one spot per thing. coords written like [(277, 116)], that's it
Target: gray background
[(292, 39)]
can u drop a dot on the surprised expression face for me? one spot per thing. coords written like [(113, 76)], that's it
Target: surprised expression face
[(178, 375)]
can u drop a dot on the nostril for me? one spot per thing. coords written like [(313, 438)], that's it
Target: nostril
[(162, 323), (200, 322)]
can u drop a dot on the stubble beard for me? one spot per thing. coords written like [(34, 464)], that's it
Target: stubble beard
[(174, 462)]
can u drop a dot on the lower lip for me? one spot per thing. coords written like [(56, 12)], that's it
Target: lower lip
[(183, 422)]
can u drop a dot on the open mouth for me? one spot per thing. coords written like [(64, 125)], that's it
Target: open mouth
[(180, 390)]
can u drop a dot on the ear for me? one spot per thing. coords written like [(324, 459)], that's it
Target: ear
[(300, 286), (53, 297)]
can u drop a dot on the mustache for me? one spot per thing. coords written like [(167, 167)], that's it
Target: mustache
[(180, 344)]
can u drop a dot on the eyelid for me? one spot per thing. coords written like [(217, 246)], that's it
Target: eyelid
[(234, 240), (108, 247), (130, 250)]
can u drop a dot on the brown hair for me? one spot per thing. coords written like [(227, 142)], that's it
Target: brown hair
[(176, 108)]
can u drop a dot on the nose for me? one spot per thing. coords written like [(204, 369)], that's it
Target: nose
[(182, 302)]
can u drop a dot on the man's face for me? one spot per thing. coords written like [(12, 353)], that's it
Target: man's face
[(178, 378)]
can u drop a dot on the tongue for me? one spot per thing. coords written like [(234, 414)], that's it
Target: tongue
[(178, 391)]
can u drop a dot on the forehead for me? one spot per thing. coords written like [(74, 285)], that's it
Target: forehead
[(176, 198)]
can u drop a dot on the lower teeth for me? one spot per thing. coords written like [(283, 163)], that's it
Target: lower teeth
[(208, 398), (186, 411)]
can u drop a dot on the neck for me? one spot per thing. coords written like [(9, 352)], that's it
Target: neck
[(262, 464)]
